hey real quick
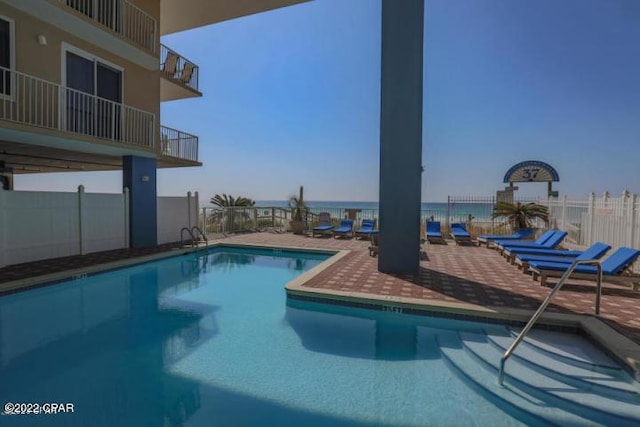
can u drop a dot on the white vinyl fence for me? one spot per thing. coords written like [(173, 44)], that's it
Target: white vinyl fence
[(611, 220), (175, 213), (38, 225)]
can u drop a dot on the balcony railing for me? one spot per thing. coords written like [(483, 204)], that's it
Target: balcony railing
[(177, 68), (32, 101), (122, 17), (181, 145)]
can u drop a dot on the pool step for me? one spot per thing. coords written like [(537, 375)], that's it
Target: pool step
[(613, 382), (572, 394), (568, 348), (528, 409)]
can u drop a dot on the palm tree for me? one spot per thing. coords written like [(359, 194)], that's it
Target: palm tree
[(229, 201), (298, 204), (520, 215), (299, 207)]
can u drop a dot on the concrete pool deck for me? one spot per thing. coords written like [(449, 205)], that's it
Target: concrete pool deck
[(467, 280)]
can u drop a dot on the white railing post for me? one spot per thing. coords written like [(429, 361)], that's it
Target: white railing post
[(632, 214), (125, 197), (61, 108), (204, 221), (3, 228), (564, 213), (81, 220), (592, 218), (196, 207), (189, 209), (113, 121)]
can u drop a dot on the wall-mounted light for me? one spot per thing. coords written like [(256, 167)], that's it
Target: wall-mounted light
[(42, 39), (145, 178)]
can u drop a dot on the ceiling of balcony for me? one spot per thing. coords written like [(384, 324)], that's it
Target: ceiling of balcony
[(180, 15), (170, 90), (26, 158)]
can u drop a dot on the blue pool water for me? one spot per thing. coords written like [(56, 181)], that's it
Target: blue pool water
[(211, 340)]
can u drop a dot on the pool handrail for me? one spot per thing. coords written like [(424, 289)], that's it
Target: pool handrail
[(192, 234), (544, 305)]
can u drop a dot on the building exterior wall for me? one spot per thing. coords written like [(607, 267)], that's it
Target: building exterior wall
[(141, 87)]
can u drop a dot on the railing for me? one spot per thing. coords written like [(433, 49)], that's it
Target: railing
[(181, 145), (121, 17), (190, 233), (196, 231), (177, 68), (242, 219), (544, 305), (32, 101), (193, 232)]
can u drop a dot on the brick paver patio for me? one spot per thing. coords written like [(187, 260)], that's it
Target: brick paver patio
[(465, 274)]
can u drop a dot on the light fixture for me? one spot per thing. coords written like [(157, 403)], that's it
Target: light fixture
[(42, 39)]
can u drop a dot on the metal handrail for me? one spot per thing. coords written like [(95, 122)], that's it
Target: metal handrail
[(544, 305), (196, 228), (193, 239)]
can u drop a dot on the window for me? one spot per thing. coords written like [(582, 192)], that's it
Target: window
[(94, 96), (6, 54)]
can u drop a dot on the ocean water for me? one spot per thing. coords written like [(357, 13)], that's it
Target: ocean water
[(456, 211), (453, 211)]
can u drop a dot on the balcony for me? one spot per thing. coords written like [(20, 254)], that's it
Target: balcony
[(177, 144), (49, 127), (31, 101), (180, 76), (121, 17)]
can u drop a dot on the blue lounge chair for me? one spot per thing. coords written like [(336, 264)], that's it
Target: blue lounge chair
[(433, 233), (595, 251), (325, 226), (543, 252), (540, 240), (459, 233), (367, 228), (345, 229), (612, 268), (518, 235), (550, 243)]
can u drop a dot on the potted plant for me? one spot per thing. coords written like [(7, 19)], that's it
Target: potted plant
[(298, 207), (520, 215)]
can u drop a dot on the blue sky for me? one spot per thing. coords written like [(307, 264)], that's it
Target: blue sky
[(291, 97)]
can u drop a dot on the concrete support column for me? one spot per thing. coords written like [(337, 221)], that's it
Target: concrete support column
[(401, 136), (139, 176)]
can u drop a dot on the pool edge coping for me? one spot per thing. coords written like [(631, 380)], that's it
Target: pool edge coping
[(620, 347), (613, 342), (77, 273)]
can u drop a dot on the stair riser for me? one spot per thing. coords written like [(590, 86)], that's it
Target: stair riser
[(503, 405), (589, 386), (596, 415)]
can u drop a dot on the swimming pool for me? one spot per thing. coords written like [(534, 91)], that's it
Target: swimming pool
[(211, 339)]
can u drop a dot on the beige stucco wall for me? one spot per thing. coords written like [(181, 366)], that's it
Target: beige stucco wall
[(152, 7), (141, 86)]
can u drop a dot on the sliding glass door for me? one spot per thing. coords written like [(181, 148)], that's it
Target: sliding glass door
[(93, 98)]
